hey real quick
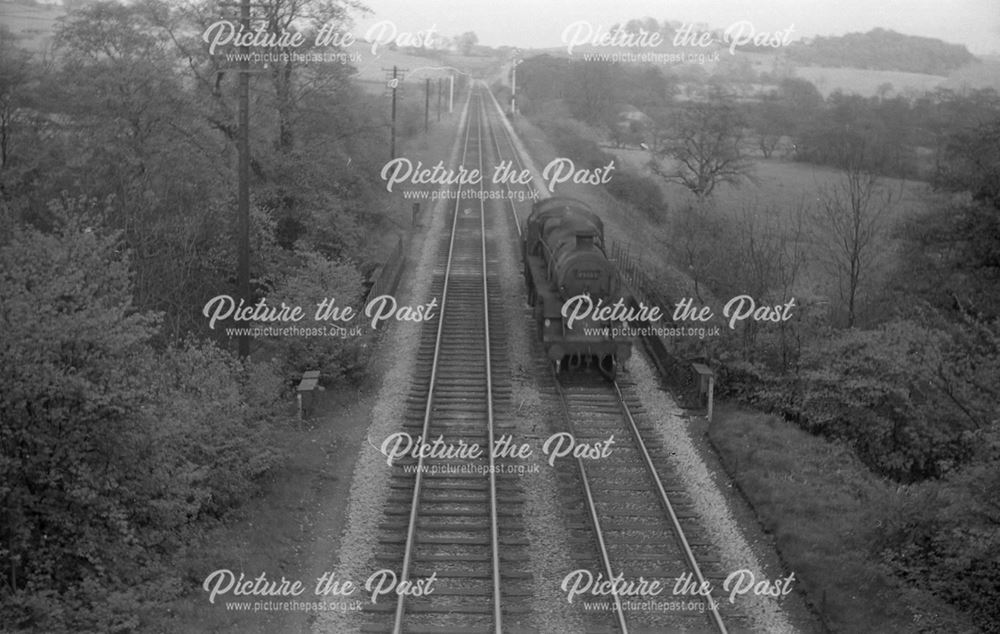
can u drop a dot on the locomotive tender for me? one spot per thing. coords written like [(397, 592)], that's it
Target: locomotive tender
[(564, 257)]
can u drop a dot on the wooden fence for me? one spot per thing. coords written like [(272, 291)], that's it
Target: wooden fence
[(387, 276), (680, 375)]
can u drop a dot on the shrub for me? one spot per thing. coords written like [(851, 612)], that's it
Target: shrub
[(334, 356), (881, 391), (941, 536), (570, 140), (642, 192), (111, 451)]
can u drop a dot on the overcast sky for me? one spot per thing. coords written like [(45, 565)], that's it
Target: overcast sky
[(540, 23)]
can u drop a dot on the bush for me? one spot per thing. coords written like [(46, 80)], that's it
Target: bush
[(570, 140), (334, 356), (642, 192), (111, 451), (879, 390), (941, 536)]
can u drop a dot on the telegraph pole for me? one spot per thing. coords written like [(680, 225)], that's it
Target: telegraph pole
[(513, 86), (427, 105), (393, 84), (243, 178)]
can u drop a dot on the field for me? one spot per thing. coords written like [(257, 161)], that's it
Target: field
[(780, 191), (33, 25), (866, 82), (985, 74)]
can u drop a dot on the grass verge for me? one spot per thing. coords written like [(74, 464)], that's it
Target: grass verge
[(818, 501)]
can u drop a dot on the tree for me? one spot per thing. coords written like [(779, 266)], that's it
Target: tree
[(111, 448), (771, 120), (591, 89), (767, 254), (971, 161), (14, 74), (282, 16), (705, 146), (851, 221), (952, 251), (138, 141), (68, 382), (466, 42), (802, 99)]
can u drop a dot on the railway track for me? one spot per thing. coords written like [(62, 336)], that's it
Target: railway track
[(507, 146), (634, 517), (456, 519), (628, 516)]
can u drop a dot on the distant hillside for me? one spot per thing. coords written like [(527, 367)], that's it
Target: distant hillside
[(880, 49), (31, 24)]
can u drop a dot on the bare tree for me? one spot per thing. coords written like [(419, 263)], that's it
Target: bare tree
[(768, 255), (851, 221), (771, 120), (705, 146), (15, 73)]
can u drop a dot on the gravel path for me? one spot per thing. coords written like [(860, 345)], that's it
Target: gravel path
[(370, 484), (734, 551), (544, 519)]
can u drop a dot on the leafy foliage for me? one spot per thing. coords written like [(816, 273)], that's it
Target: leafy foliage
[(642, 192), (882, 49), (593, 91), (122, 435), (909, 396), (943, 536), (335, 355), (110, 449), (705, 147), (570, 141)]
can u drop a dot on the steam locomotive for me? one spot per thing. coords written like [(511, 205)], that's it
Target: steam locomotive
[(565, 261)]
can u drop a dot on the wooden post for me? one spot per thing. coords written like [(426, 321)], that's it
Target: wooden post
[(711, 395), (394, 83), (309, 384), (427, 105), (243, 179), (706, 383)]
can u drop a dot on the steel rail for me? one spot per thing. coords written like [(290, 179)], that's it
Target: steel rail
[(543, 192), (669, 509), (415, 504), (411, 529), (591, 505), (517, 159), (494, 523)]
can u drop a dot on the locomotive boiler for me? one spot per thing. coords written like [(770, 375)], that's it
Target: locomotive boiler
[(564, 258)]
